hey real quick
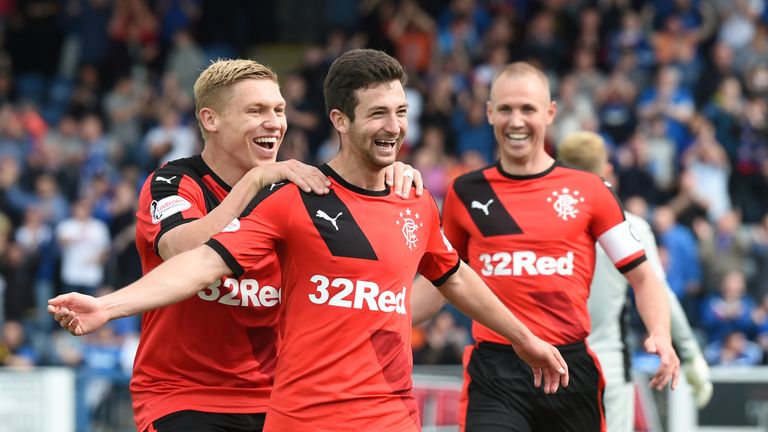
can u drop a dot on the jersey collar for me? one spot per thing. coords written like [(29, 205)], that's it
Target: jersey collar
[(554, 165), (327, 170)]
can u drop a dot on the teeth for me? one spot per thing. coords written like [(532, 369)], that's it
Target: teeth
[(266, 142), (517, 136), (382, 142)]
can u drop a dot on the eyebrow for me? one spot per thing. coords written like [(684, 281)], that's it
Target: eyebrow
[(508, 105), (382, 107), (264, 105)]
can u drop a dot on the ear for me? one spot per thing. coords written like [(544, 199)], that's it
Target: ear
[(489, 112), (340, 120), (209, 120), (552, 111)]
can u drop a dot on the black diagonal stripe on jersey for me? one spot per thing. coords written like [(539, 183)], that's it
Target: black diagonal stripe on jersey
[(474, 187), (349, 240)]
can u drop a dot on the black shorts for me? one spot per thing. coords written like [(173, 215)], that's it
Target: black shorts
[(198, 421), (501, 397)]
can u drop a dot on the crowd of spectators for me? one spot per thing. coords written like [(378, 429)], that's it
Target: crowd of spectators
[(94, 94)]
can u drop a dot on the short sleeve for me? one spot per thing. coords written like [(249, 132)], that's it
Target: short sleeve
[(452, 224), (169, 198), (440, 260), (613, 231)]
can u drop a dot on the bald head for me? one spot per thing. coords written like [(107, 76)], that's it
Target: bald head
[(584, 150), (518, 70)]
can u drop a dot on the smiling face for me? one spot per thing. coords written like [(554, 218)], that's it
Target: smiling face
[(377, 132), (520, 110), (250, 124)]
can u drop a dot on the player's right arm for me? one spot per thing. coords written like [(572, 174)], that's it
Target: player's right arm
[(190, 235), (472, 296), (174, 280)]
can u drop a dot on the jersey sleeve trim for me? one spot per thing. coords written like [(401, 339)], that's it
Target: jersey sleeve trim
[(444, 278), (227, 257), (632, 264), (165, 228)]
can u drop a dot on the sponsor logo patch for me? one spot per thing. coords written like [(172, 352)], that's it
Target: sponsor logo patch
[(167, 207)]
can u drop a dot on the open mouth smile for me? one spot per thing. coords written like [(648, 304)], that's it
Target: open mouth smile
[(266, 142), (385, 143)]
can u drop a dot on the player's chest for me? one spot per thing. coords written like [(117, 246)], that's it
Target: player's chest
[(385, 233), (551, 211)]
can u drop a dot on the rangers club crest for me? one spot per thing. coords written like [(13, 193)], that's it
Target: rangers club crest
[(565, 203), (409, 224)]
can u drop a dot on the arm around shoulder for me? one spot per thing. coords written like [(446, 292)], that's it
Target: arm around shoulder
[(193, 234)]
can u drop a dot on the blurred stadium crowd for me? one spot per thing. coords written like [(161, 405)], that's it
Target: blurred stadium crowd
[(94, 94)]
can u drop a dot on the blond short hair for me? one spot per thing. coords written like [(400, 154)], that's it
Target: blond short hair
[(583, 150), (213, 86)]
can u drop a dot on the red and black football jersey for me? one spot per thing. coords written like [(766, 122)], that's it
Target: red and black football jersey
[(532, 240), (216, 351), (348, 261)]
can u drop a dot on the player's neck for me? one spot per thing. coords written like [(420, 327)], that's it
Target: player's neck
[(229, 171), (357, 173), (535, 164)]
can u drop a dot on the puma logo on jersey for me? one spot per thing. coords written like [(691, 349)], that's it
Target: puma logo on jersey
[(483, 207), (274, 185), (323, 215), (167, 180)]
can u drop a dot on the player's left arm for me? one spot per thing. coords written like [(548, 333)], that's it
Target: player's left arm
[(653, 306), (682, 334), (455, 217), (426, 300), (623, 245), (692, 359)]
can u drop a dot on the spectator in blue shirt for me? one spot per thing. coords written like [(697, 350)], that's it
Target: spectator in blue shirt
[(735, 350), (730, 310)]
